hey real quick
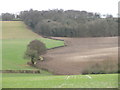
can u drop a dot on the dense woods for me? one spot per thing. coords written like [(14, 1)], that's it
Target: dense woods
[(69, 23)]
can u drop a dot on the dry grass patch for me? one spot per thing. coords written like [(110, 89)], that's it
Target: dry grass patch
[(106, 65)]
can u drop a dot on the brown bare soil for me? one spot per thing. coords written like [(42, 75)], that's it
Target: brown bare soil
[(78, 53)]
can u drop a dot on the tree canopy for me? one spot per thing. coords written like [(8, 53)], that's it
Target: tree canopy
[(70, 23), (34, 49)]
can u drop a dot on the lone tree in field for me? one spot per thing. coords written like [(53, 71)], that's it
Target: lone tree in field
[(34, 49)]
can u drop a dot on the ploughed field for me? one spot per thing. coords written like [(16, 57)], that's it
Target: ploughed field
[(79, 54)]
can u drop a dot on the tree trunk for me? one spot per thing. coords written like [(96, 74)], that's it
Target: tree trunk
[(32, 61)]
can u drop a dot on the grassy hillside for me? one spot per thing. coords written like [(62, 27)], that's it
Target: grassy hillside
[(16, 29), (74, 81), (15, 40)]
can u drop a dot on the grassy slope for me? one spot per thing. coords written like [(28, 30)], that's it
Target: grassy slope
[(16, 29), (15, 39), (77, 81)]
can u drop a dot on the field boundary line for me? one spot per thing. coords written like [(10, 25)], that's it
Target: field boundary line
[(20, 71)]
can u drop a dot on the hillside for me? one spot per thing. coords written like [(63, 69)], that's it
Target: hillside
[(16, 37)]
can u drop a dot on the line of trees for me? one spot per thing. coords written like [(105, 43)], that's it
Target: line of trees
[(70, 23), (9, 17)]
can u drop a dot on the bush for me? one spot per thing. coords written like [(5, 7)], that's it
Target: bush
[(109, 65)]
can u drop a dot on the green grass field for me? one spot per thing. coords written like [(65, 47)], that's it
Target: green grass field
[(14, 45), (13, 52), (16, 36), (77, 81)]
